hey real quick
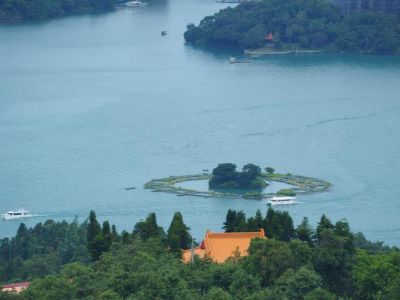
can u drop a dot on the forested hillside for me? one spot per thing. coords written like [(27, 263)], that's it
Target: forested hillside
[(23, 10), (42, 250), (298, 24), (293, 263)]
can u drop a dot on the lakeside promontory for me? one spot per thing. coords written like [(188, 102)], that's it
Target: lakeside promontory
[(25, 10), (295, 25)]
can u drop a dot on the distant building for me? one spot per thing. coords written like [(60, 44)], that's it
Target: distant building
[(222, 245), (351, 6), (15, 287)]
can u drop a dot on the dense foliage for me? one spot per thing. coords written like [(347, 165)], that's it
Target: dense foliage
[(225, 176), (293, 263), (14, 10), (303, 24), (42, 250)]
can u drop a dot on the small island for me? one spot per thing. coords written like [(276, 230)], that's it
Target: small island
[(225, 176), (226, 182), (297, 26)]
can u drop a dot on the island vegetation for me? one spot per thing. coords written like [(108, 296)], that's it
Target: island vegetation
[(26, 10), (93, 261), (284, 26), (225, 176)]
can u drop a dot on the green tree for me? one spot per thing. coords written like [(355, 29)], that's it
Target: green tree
[(217, 294), (319, 294), (258, 219), (279, 225), (230, 221), (295, 285), (226, 170), (149, 228), (178, 234), (305, 232), (324, 224), (269, 170), (106, 233), (95, 241), (269, 259), (93, 227), (333, 259), (374, 275), (114, 233), (22, 242)]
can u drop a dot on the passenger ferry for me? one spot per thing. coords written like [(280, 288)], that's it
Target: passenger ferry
[(16, 214), (281, 200)]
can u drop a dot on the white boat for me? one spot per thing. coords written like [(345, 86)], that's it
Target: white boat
[(16, 214), (135, 3), (281, 200)]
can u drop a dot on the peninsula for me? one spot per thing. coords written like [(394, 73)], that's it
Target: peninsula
[(25, 10), (297, 26)]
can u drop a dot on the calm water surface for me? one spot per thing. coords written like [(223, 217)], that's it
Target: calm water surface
[(92, 104)]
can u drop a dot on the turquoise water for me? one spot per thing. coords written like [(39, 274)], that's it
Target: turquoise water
[(90, 105)]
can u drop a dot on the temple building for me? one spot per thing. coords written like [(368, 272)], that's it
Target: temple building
[(219, 246), (15, 287)]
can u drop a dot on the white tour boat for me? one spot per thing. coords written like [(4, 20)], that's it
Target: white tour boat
[(16, 214), (135, 3), (281, 200)]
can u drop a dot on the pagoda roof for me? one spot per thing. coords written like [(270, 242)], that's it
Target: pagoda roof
[(219, 246)]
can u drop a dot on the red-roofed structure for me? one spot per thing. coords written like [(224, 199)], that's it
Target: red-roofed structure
[(15, 287), (219, 246), (269, 37)]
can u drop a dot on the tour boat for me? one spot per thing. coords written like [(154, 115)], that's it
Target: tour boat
[(16, 214), (135, 3), (281, 200), (233, 60)]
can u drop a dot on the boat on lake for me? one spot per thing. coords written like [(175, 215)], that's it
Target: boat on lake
[(281, 200), (233, 60), (16, 214), (135, 3)]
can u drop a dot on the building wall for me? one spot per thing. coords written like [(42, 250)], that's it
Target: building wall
[(17, 289)]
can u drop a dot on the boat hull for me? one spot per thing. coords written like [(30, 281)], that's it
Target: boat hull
[(15, 217), (286, 203)]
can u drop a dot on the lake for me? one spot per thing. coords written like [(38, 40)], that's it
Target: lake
[(90, 105)]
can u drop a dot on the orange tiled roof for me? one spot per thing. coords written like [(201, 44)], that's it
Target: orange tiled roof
[(220, 246)]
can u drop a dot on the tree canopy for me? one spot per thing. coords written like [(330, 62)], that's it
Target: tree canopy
[(327, 263), (225, 176), (45, 9)]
